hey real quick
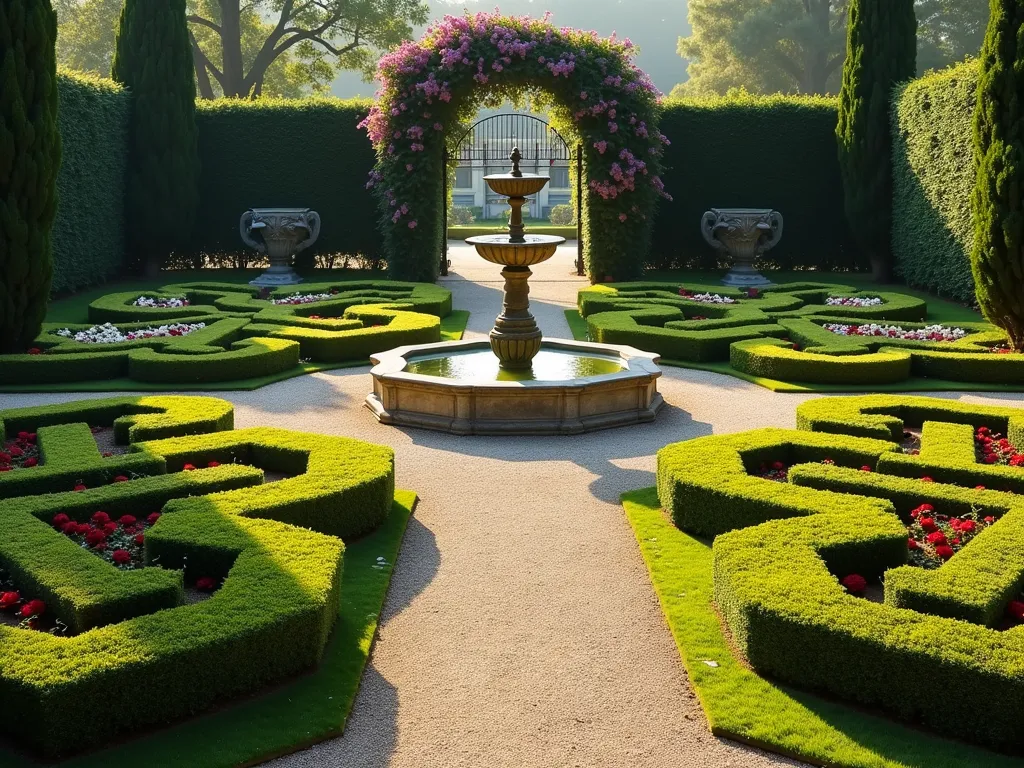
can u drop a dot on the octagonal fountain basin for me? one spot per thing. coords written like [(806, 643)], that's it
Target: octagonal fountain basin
[(572, 387)]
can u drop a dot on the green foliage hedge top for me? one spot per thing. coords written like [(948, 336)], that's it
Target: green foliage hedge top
[(780, 549), (754, 151), (933, 179), (88, 234), (137, 653)]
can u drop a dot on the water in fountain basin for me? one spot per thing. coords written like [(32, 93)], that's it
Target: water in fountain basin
[(482, 366)]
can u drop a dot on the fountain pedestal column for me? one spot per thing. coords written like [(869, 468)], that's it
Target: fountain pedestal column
[(515, 338)]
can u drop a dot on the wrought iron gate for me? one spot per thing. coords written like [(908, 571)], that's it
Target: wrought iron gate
[(487, 144)]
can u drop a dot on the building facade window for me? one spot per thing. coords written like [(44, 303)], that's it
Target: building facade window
[(559, 177), (463, 178)]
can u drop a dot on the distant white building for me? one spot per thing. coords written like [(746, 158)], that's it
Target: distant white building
[(485, 150)]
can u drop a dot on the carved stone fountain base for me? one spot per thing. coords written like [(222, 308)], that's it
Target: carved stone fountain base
[(276, 276), (745, 276)]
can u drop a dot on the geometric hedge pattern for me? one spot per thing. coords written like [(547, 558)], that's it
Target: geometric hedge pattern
[(778, 333), (245, 336), (136, 653), (935, 650)]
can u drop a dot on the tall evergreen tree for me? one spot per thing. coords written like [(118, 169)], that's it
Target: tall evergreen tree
[(29, 162), (153, 58), (998, 256), (881, 51)]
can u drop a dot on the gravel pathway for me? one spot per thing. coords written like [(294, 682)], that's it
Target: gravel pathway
[(521, 629)]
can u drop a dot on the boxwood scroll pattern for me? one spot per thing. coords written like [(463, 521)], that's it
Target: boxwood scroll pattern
[(431, 86), (780, 549), (137, 653)]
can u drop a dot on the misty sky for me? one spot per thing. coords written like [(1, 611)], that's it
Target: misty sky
[(654, 25)]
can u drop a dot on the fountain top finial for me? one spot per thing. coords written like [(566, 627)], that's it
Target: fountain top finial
[(515, 157)]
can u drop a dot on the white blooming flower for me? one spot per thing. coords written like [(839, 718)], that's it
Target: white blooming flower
[(710, 298), (929, 333), (111, 334), (853, 301), (147, 301), (299, 298)]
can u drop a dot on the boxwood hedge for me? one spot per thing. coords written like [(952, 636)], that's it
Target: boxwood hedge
[(780, 548), (136, 653)]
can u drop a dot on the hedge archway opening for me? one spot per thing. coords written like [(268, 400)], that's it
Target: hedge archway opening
[(593, 91)]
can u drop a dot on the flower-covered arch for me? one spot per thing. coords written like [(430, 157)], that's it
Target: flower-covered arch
[(595, 93)]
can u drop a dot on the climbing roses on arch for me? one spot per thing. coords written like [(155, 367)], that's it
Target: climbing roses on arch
[(594, 90)]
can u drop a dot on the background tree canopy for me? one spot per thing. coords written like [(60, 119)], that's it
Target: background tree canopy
[(248, 48), (798, 46)]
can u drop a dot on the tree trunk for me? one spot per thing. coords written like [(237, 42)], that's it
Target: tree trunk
[(231, 45), (202, 73)]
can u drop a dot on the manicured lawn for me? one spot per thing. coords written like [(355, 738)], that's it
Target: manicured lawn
[(292, 716), (743, 706)]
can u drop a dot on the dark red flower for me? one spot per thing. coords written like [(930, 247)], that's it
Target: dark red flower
[(15, 451), (127, 520), (120, 479), (206, 584), (70, 528), (937, 537), (778, 466), (865, 468), (35, 351), (121, 556), (82, 528), (912, 544), (927, 479), (213, 464), (990, 520), (140, 539), (153, 517), (979, 487), (854, 583), (944, 551), (991, 458), (100, 518), (33, 608), (927, 524), (109, 528), (1016, 609), (8, 600), (968, 526), (188, 467), (60, 520), (94, 537), (80, 487), (31, 461)]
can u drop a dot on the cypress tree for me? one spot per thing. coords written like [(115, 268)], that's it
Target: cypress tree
[(998, 256), (29, 162), (153, 58), (881, 51)]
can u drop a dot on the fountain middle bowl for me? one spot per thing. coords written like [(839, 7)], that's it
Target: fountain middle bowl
[(501, 249)]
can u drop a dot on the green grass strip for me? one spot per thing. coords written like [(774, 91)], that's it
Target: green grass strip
[(308, 710), (452, 329), (578, 326), (741, 705)]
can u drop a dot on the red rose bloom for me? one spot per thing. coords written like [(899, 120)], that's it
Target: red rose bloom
[(33, 608), (1016, 609), (206, 584), (127, 520), (15, 451), (912, 544), (95, 537), (100, 518), (979, 487), (109, 528), (990, 520), (153, 517), (31, 461), (991, 458), (69, 528), (944, 551), (121, 556), (927, 479), (865, 468), (778, 465), (60, 520), (188, 467), (9, 599), (139, 539), (927, 524), (35, 351), (213, 464), (938, 537), (968, 526), (854, 583), (80, 487), (983, 430), (82, 528), (120, 479)]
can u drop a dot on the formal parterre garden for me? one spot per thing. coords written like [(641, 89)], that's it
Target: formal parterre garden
[(228, 335), (156, 563), (827, 583), (806, 336)]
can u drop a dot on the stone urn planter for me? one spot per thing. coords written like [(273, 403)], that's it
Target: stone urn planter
[(280, 233), (744, 234)]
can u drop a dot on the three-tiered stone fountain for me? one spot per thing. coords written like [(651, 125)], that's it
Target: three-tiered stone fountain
[(517, 382)]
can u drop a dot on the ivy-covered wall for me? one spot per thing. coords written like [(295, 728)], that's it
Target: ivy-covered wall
[(933, 180), (88, 234), (749, 151)]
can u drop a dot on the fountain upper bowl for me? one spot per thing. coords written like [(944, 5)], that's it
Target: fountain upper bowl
[(507, 185)]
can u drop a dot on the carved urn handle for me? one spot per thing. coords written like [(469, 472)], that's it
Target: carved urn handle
[(707, 228), (771, 237), (313, 223), (246, 225)]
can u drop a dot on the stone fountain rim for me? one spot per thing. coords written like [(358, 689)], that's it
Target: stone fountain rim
[(637, 363)]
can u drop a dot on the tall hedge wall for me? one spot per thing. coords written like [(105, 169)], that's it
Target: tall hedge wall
[(88, 234), (933, 180), (277, 152), (754, 152)]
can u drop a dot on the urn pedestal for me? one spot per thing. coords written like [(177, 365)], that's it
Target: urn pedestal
[(743, 234), (280, 233)]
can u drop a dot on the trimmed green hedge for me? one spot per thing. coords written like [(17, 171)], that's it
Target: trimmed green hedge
[(933, 181), (774, 359), (269, 620), (88, 234), (754, 151), (781, 546), (301, 153)]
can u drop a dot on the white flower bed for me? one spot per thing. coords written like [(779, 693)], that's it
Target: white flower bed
[(852, 301), (931, 333), (706, 298), (299, 298), (146, 301), (111, 334)]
